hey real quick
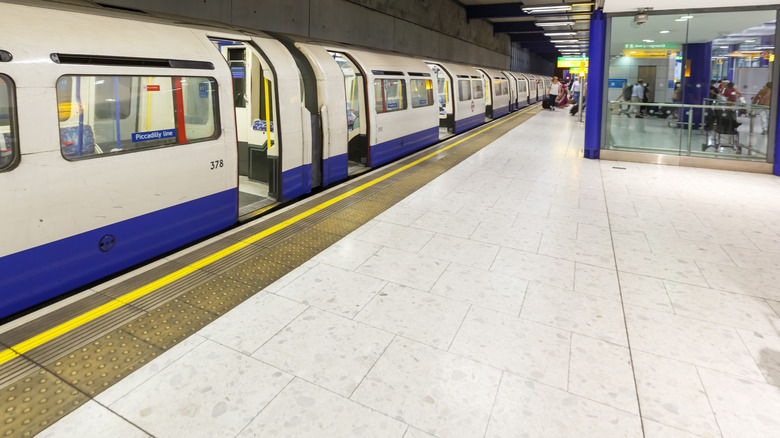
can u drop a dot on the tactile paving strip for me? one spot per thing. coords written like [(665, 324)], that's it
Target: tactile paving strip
[(49, 389)]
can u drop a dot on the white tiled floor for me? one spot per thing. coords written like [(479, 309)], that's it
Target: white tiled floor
[(527, 292)]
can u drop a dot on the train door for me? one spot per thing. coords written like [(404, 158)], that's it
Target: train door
[(446, 106), (254, 96), (488, 87), (357, 118)]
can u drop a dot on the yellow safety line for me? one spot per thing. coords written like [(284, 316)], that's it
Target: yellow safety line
[(84, 318)]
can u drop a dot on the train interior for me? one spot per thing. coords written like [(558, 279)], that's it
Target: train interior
[(357, 126), (444, 97), (6, 135), (254, 94), (487, 85)]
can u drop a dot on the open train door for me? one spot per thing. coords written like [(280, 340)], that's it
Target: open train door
[(444, 97)]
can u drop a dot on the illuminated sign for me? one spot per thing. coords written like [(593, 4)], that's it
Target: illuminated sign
[(577, 62), (652, 46)]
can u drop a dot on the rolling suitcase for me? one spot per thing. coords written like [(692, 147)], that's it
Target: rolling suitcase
[(546, 103)]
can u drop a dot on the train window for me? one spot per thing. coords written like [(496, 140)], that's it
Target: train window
[(9, 144), (504, 86), (478, 87), (521, 87), (422, 92), (103, 115), (464, 89), (390, 95)]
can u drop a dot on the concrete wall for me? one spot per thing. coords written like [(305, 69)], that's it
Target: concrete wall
[(525, 61), (433, 28)]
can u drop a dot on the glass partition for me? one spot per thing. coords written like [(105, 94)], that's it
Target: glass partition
[(692, 84)]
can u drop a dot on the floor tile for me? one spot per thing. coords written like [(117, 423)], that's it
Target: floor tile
[(743, 408), (92, 421), (701, 252), (325, 349), (445, 223), (396, 236), (579, 215), (638, 290), (593, 280), (417, 433), (594, 234), (566, 229), (689, 340), (718, 236), (765, 350), (347, 253), (491, 215), (211, 391), (751, 258), (333, 289), (576, 312), (660, 266), (671, 393), (578, 251), (654, 429), (422, 316), (146, 372), (430, 389), (535, 267), (400, 215), (306, 410), (746, 281), (277, 285), (519, 346), (463, 251), (765, 241), (504, 235), (525, 408), (723, 307), (602, 372), (482, 288), (413, 270), (253, 322), (633, 240)]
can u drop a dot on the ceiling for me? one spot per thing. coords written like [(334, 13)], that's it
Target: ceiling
[(571, 24), (721, 28)]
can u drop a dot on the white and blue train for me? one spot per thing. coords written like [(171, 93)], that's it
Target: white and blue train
[(120, 146)]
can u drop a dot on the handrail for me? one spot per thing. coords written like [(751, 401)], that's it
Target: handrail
[(719, 105)]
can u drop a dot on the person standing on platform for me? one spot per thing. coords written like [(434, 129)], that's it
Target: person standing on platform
[(575, 91), (637, 95), (764, 97), (626, 96), (731, 92), (553, 92)]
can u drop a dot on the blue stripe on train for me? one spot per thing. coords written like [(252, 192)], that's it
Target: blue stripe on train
[(334, 169), (37, 274), (500, 112), (387, 151), (468, 123)]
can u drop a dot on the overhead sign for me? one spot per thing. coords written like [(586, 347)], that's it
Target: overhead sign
[(573, 62), (652, 46), (649, 53)]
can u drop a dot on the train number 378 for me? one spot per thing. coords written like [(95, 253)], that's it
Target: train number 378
[(216, 164)]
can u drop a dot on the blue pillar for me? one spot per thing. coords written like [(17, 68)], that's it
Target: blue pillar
[(696, 87), (594, 100), (732, 63)]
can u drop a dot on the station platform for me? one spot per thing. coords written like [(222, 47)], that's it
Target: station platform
[(495, 285)]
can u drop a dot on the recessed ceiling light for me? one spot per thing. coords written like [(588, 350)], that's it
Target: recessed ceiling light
[(544, 9), (557, 23), (750, 41), (687, 16), (649, 41), (664, 31), (724, 47), (554, 34), (681, 19)]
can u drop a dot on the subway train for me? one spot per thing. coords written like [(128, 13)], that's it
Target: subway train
[(125, 136)]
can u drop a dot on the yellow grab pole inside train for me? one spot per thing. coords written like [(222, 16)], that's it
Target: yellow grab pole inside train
[(267, 116)]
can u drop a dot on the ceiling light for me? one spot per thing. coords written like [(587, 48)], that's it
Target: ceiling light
[(567, 46), (554, 34), (556, 23), (544, 9), (687, 16), (724, 47), (566, 41), (633, 52), (681, 19), (664, 31), (649, 41), (750, 41)]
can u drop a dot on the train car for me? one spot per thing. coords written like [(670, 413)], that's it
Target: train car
[(523, 92), (117, 149), (496, 93)]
